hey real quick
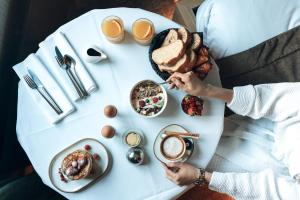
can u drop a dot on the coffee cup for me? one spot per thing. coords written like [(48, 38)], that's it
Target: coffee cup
[(173, 147)]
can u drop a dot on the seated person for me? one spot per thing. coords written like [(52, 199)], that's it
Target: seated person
[(273, 168)]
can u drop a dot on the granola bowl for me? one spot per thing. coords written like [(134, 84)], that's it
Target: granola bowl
[(148, 98)]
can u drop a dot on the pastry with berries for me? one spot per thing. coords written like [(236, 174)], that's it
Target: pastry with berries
[(77, 165)]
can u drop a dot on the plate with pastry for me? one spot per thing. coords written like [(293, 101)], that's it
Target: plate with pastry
[(178, 50), (79, 165)]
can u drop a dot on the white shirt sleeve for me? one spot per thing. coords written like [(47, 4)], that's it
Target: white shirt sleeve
[(273, 101), (255, 186)]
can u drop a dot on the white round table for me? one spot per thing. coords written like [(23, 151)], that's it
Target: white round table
[(128, 63)]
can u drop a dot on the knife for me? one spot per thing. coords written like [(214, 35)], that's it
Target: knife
[(60, 60), (59, 56), (41, 88)]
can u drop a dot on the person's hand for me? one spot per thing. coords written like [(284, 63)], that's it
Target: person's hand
[(181, 173), (189, 83)]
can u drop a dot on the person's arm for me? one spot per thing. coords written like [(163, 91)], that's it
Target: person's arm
[(191, 84), (262, 185), (273, 101)]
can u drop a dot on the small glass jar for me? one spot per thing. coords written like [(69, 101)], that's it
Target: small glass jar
[(113, 29), (143, 31), (133, 138)]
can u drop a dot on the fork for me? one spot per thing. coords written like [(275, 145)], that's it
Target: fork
[(34, 86)]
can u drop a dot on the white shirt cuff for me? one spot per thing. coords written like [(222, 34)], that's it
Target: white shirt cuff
[(243, 99)]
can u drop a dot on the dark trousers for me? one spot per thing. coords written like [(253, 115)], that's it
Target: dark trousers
[(275, 60)]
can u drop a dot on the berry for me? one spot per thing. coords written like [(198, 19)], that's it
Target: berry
[(160, 98), (190, 111), (147, 100), (142, 103), (87, 147), (155, 99), (96, 156)]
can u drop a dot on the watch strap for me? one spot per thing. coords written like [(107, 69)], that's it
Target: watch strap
[(201, 179)]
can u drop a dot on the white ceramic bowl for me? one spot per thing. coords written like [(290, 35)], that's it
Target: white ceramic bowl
[(164, 94)]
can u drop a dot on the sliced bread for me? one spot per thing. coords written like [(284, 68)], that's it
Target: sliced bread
[(170, 54), (196, 41), (179, 66), (170, 38), (184, 35)]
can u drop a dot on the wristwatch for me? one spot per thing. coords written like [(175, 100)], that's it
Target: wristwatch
[(201, 179)]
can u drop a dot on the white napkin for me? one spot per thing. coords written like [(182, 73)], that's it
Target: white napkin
[(33, 63), (65, 47), (47, 49)]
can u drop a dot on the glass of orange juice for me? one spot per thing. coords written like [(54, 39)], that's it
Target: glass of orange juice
[(113, 29), (143, 31)]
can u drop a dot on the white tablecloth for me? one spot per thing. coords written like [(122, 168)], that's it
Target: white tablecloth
[(128, 63)]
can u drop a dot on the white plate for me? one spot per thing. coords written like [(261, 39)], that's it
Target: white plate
[(99, 169), (158, 140)]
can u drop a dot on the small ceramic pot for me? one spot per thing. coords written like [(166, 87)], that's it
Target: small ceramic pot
[(94, 54)]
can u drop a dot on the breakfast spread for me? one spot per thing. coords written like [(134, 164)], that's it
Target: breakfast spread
[(77, 165), (192, 105), (148, 98), (108, 131), (182, 51)]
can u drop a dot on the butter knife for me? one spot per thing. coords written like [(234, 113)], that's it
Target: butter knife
[(45, 94), (60, 60)]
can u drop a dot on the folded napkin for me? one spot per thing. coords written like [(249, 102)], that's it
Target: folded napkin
[(47, 48), (33, 63)]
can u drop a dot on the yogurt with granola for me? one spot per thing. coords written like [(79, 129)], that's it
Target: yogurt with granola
[(148, 98)]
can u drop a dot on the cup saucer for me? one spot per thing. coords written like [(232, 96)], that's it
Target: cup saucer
[(159, 138)]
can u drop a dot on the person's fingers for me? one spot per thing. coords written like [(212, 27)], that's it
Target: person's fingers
[(175, 75), (172, 86), (171, 174), (178, 83), (174, 164), (187, 76)]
